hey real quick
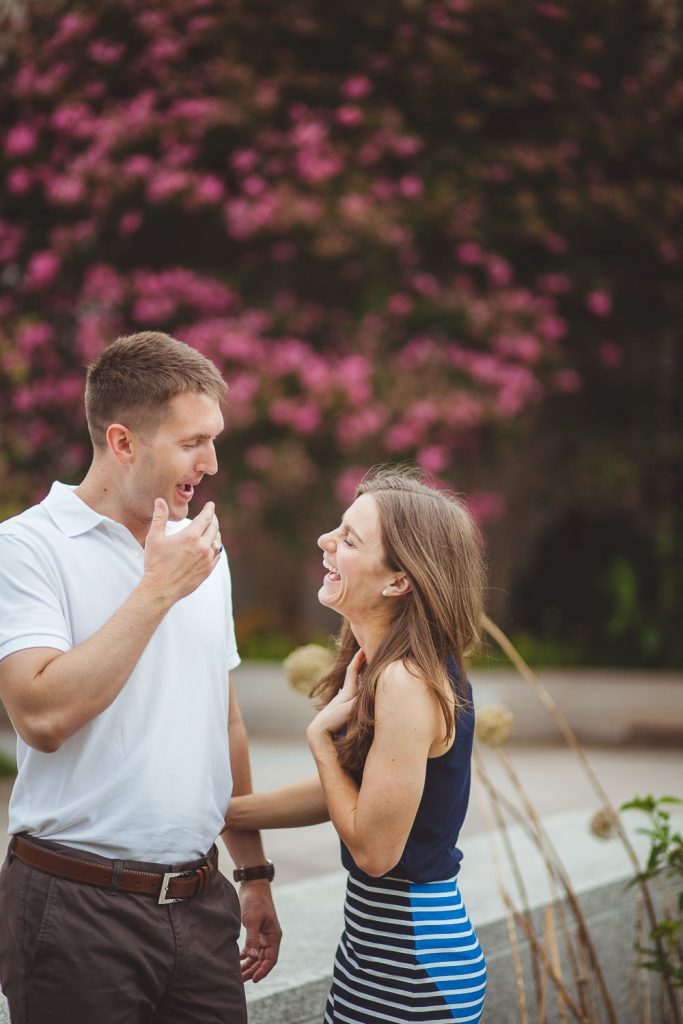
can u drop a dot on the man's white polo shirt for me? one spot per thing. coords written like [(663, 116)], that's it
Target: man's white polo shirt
[(149, 778)]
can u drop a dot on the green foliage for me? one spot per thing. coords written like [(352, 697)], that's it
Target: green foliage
[(8, 766), (665, 861)]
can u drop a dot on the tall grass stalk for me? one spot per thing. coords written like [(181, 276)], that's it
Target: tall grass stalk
[(503, 641)]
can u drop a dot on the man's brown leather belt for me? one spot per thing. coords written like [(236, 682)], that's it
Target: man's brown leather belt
[(169, 887)]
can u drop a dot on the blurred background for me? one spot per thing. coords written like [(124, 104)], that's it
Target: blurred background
[(431, 230)]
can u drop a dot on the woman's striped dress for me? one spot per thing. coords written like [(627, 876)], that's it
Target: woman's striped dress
[(408, 951)]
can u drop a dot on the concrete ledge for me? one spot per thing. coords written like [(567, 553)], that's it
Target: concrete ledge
[(610, 706), (311, 915)]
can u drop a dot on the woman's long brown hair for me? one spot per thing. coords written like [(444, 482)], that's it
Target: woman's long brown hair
[(430, 536)]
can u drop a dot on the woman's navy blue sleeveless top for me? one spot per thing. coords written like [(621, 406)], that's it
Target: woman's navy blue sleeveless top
[(431, 853)]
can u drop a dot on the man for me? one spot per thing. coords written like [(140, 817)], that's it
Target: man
[(116, 643)]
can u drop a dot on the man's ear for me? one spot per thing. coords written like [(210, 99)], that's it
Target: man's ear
[(120, 443)]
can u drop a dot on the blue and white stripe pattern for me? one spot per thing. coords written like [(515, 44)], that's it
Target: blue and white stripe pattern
[(408, 953)]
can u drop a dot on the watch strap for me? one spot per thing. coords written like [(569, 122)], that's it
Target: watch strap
[(266, 871)]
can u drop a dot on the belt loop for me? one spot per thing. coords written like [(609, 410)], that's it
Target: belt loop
[(10, 849), (116, 876)]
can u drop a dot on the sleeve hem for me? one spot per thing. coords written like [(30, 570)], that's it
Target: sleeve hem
[(26, 643)]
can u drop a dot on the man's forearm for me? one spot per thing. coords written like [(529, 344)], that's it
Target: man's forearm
[(77, 685)]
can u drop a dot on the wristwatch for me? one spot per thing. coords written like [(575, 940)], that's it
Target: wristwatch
[(266, 870)]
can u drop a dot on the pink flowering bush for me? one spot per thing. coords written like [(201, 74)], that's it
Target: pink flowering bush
[(446, 232)]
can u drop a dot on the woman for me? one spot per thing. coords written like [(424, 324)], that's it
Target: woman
[(392, 744)]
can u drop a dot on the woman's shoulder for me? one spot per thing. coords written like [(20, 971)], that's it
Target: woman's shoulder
[(403, 680)]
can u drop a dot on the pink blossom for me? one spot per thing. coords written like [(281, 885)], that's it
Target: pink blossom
[(11, 237), (165, 184), (316, 375), (209, 189), (266, 94), (400, 304), (72, 24), (254, 185), (434, 459), (308, 132), (383, 189), (42, 270), (283, 252), (91, 335), (243, 389), (524, 346), (348, 116), (19, 181), (250, 494), (153, 309), (411, 186), (104, 52), (316, 167), (103, 285), (138, 166), (369, 154), (243, 160), (463, 410), (302, 417), (65, 191), (589, 81), (556, 284), (551, 11), (555, 243), (426, 284), (611, 356), (486, 505), (347, 484), (406, 145), (20, 140), (402, 437), (469, 253), (356, 88), (34, 336), (362, 424), (68, 117), (130, 222), (599, 303), (165, 50), (499, 271), (552, 327), (259, 457), (568, 380)]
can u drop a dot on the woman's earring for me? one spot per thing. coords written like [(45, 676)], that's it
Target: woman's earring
[(385, 593)]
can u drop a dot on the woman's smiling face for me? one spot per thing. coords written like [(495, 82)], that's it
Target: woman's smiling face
[(354, 556)]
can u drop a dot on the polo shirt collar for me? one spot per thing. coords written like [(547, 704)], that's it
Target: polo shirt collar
[(68, 512)]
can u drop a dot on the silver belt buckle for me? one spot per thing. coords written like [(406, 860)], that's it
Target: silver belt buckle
[(165, 882)]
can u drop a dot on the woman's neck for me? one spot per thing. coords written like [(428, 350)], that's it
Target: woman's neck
[(369, 637)]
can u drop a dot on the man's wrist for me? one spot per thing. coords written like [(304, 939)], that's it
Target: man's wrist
[(256, 873)]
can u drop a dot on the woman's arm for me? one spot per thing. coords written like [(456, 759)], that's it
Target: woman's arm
[(302, 803), (374, 821)]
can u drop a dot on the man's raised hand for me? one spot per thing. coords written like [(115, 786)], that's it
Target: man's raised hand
[(175, 565)]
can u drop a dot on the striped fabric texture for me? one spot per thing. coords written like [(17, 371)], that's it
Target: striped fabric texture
[(408, 953)]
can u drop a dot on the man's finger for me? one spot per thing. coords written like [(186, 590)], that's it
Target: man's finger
[(159, 517), (203, 520)]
